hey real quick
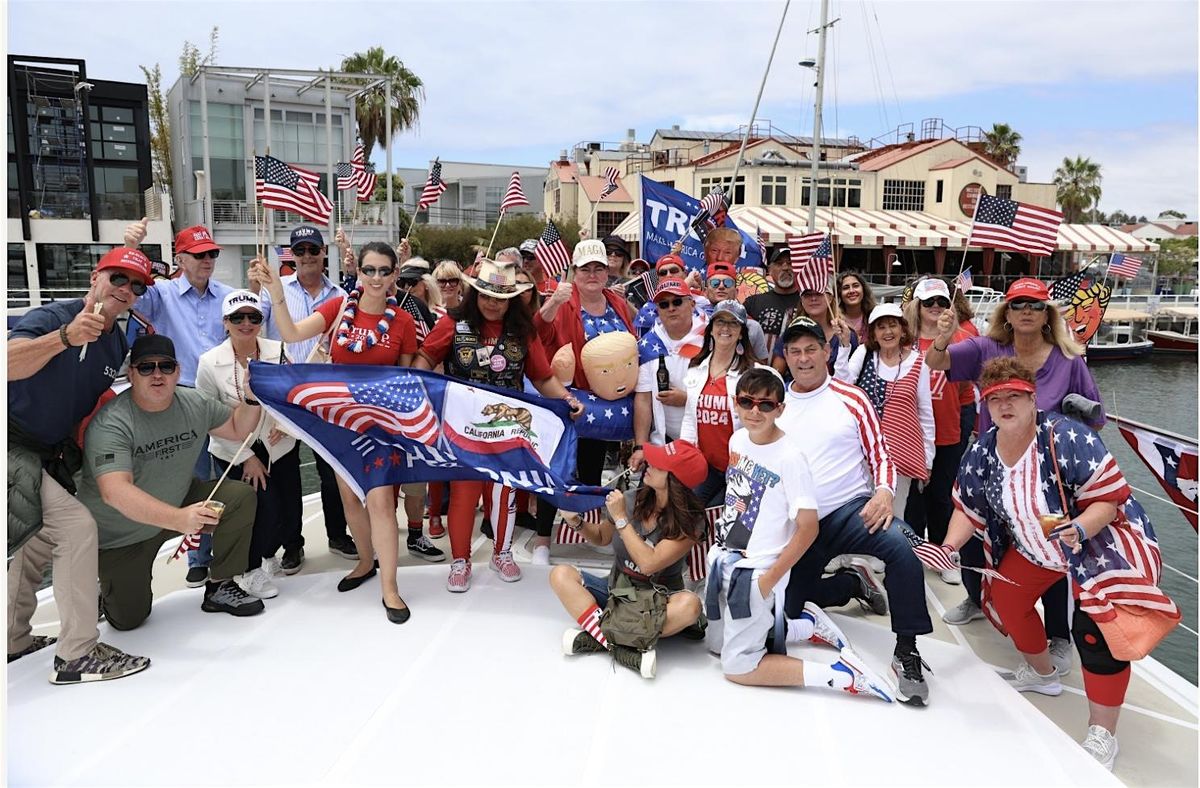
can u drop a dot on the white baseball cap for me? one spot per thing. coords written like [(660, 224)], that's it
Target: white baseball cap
[(239, 299)]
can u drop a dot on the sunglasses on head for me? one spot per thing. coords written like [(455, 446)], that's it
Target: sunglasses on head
[(750, 403), (665, 304), (721, 281), (238, 317), (120, 280), (211, 254), (670, 270), (1021, 306), (448, 282), (306, 251), (935, 301), (146, 368), (372, 271)]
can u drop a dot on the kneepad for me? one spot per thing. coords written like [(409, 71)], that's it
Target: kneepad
[(1094, 655)]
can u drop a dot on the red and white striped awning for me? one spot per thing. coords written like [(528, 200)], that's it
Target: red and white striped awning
[(1100, 238)]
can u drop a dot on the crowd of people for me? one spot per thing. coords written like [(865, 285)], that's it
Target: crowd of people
[(827, 430)]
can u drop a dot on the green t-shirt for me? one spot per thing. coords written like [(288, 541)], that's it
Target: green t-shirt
[(159, 449)]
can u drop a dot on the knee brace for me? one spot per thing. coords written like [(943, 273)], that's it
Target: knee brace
[(1094, 655)]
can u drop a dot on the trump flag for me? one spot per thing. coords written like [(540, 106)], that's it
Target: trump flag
[(392, 425), (667, 215)]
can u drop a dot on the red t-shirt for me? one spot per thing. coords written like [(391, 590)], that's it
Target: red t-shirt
[(400, 339), (947, 399), (714, 423), (437, 345)]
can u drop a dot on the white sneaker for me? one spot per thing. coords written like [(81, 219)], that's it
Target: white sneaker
[(272, 566), (502, 563), (1060, 655), (963, 613), (1026, 679), (825, 632), (257, 583), (541, 556), (1101, 745), (952, 577), (864, 681), (460, 576)]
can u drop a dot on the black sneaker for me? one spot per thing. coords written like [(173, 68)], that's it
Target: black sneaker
[(695, 630), (196, 576), (102, 663), (39, 643), (910, 681), (292, 561), (578, 641), (229, 598), (868, 593), (643, 662), (343, 546), (421, 547)]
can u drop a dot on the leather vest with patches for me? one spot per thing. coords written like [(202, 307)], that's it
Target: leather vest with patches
[(504, 367)]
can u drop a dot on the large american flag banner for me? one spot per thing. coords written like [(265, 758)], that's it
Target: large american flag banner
[(552, 252), (514, 196), (1172, 461), (434, 186), (399, 407), (1124, 266), (1007, 224), (610, 181), (290, 188), (812, 260)]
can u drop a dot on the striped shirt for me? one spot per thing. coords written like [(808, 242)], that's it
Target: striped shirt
[(1022, 497), (300, 305)]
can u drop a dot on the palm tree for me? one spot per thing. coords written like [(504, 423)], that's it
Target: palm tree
[(1002, 144), (1078, 182), (407, 94)]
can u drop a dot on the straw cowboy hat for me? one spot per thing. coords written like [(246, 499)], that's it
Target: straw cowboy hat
[(498, 280)]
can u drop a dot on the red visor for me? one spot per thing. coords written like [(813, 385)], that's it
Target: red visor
[(1012, 384)]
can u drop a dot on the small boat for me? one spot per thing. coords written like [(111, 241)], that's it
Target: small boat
[(1174, 329), (1122, 336)]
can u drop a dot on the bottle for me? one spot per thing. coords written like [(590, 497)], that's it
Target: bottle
[(663, 376)]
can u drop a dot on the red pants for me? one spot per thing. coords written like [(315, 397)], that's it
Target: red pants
[(1014, 604), (499, 506), (435, 498)]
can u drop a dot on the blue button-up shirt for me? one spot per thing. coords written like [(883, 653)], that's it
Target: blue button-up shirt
[(191, 320), (300, 305)]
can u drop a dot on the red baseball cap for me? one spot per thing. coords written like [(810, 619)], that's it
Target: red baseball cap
[(673, 285), (680, 458), (668, 259), (195, 239), (129, 260), (721, 269), (1028, 288)]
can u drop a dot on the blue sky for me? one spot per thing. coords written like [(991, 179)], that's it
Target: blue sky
[(515, 82)]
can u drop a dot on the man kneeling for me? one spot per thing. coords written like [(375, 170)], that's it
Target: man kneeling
[(770, 520), (139, 452)]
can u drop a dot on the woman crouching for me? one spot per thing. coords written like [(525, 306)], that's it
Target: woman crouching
[(656, 526)]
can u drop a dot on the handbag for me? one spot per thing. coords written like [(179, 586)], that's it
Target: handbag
[(1133, 631), (322, 352), (634, 616)]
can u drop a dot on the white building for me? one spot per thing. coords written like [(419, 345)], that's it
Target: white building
[(473, 192)]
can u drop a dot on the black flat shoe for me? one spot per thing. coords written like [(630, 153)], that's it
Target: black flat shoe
[(397, 615), (349, 583)]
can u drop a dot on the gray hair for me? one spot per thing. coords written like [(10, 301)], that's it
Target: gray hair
[(512, 253)]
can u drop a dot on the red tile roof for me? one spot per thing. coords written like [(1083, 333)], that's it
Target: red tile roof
[(891, 154), (952, 163)]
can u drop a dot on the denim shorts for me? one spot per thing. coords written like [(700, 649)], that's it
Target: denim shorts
[(597, 586)]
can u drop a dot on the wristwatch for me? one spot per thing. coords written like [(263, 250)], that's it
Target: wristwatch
[(621, 522)]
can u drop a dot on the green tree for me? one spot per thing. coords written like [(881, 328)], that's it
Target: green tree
[(160, 126), (380, 194), (461, 243), (1002, 143), (1177, 256), (1172, 214), (190, 60), (408, 92), (1078, 183)]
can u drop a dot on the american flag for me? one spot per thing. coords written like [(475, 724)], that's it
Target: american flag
[(552, 252), (1172, 461), (698, 555), (398, 406), (568, 535), (812, 260), (761, 237), (290, 189), (434, 186), (1006, 224), (713, 202), (610, 181), (366, 183), (514, 197), (1124, 266), (937, 559), (964, 281), (701, 224), (347, 178), (284, 253), (409, 304)]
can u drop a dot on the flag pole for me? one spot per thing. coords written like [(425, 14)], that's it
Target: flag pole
[(228, 468), (496, 229), (966, 246)]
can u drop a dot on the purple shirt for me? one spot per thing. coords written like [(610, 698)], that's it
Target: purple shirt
[(1057, 378)]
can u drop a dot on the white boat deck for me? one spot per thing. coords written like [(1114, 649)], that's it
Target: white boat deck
[(321, 689)]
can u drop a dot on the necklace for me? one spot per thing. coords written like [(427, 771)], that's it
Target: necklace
[(372, 338), (237, 362), (879, 372)]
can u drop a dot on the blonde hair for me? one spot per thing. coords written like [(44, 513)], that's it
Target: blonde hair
[(447, 269), (433, 293), (1000, 330)]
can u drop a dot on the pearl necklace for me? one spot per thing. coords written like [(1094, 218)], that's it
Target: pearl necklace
[(372, 338), (237, 362)]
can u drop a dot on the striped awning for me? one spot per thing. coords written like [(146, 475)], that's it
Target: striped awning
[(1100, 238)]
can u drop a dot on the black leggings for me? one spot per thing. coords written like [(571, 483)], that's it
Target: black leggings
[(589, 461), (278, 510)]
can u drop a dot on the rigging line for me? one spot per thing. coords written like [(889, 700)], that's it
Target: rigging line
[(1160, 498), (887, 64), (880, 107), (1178, 572)]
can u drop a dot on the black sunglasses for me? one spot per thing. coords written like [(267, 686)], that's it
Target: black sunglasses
[(371, 270), (449, 282), (1021, 306), (146, 368), (935, 301), (237, 317), (763, 405), (211, 254), (668, 304), (120, 280), (306, 250), (670, 270)]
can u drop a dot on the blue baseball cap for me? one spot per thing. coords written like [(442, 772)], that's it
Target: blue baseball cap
[(306, 234)]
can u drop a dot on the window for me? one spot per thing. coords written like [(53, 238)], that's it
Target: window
[(470, 196), (557, 201), (940, 184), (607, 221), (739, 195), (117, 193), (838, 192), (65, 270), (492, 195), (298, 137), (1004, 191), (903, 195), (226, 149), (18, 284), (14, 193), (774, 190)]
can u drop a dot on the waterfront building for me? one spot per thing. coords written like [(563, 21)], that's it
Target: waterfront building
[(473, 192)]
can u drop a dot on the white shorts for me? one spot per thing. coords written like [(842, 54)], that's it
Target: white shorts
[(741, 643)]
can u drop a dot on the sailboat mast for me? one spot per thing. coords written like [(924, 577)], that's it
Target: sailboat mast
[(822, 31)]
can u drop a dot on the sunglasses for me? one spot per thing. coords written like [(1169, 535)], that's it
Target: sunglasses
[(120, 280), (1022, 306), (146, 368), (935, 301), (211, 254), (373, 272), (238, 317), (306, 250), (726, 323), (670, 270), (721, 281), (750, 403), (677, 301), (449, 282)]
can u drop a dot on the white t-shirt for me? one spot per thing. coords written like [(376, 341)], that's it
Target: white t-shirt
[(766, 486)]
